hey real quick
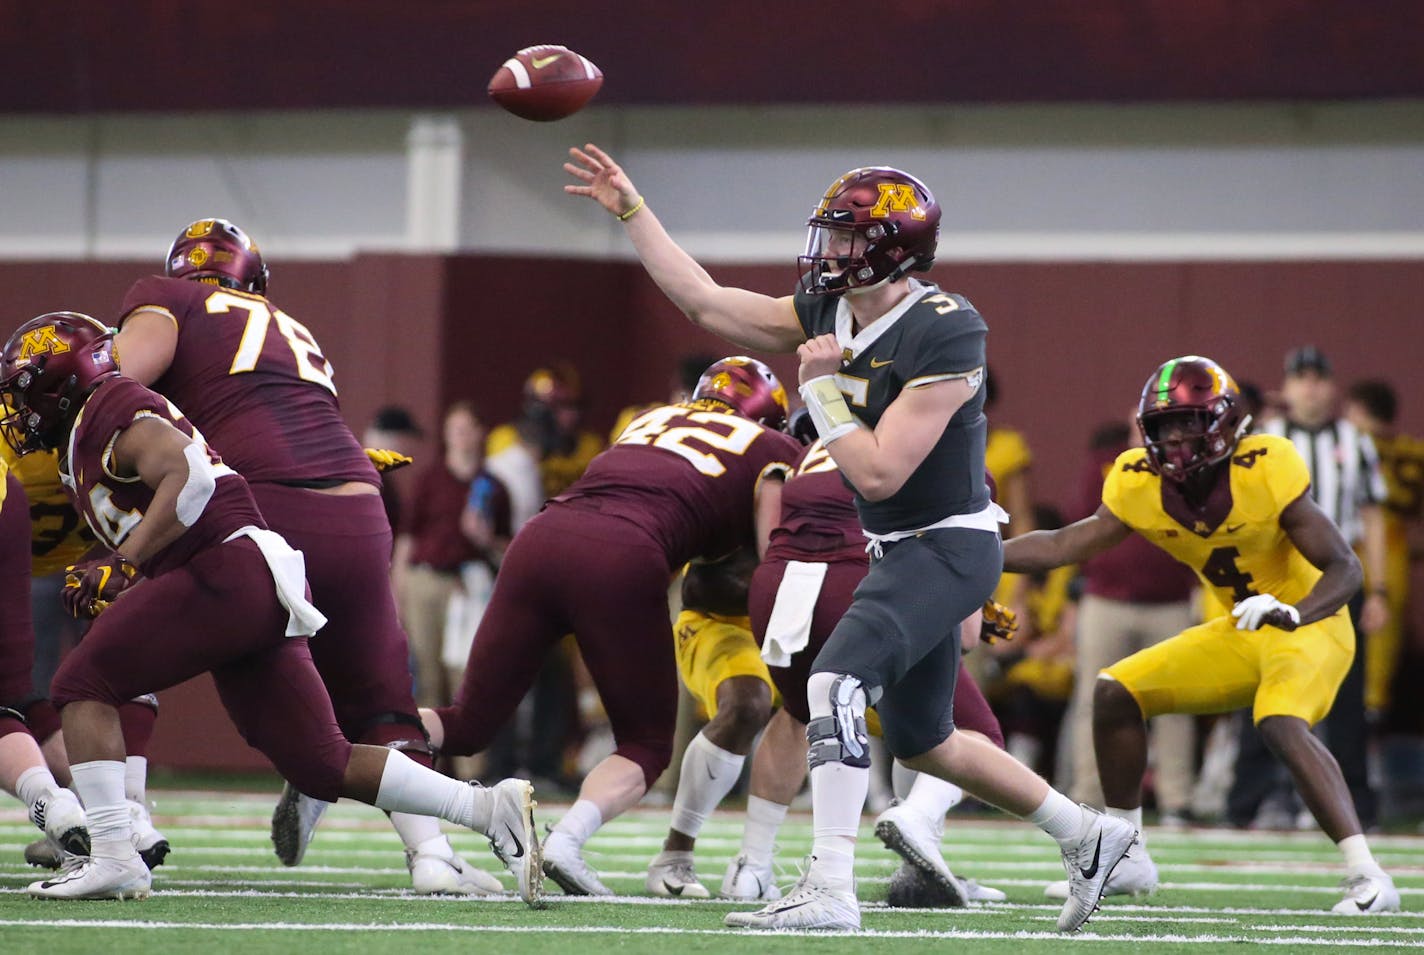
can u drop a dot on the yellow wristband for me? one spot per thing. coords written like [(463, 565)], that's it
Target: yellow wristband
[(633, 211)]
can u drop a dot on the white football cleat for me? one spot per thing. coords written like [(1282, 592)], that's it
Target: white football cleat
[(563, 862), (1103, 843), (1368, 895), (294, 822), (746, 882), (438, 875), (808, 905), (61, 817), (975, 892), (1135, 875), (150, 844), (914, 838), (513, 838), (672, 875), (94, 878)]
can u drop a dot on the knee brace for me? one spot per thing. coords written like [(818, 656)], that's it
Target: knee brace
[(148, 700), (12, 721), (840, 737)]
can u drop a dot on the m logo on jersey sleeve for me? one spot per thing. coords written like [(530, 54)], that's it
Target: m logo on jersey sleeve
[(897, 197), (41, 341)]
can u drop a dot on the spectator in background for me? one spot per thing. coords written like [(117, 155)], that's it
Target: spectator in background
[(1345, 482), (1007, 458), (544, 442), (1372, 407), (1037, 681), (432, 547), (393, 429), (1134, 596)]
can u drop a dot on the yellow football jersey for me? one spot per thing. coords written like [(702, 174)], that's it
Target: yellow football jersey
[(1006, 453), (1248, 552), (557, 470), (58, 537), (1402, 464)]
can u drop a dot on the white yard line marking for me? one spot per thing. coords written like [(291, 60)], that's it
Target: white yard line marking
[(1294, 940)]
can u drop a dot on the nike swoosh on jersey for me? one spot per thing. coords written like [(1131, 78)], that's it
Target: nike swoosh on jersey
[(519, 846), (1232, 529), (1092, 870), (875, 363), (539, 62)]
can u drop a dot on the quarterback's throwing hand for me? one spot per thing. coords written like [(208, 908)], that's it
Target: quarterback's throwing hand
[(1263, 610), (90, 588), (602, 180), (820, 356)]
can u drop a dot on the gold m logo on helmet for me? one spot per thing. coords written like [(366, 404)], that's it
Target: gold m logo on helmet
[(200, 228), (41, 341), (897, 197)]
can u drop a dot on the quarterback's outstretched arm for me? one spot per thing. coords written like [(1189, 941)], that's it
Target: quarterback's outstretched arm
[(743, 317), (1317, 537), (1045, 550)]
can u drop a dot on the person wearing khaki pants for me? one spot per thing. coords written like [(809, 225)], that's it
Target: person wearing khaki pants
[(1134, 596), (433, 545)]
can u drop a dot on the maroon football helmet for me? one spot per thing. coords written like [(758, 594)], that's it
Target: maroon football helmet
[(748, 386), (873, 225), (47, 369), (1191, 416), (216, 251)]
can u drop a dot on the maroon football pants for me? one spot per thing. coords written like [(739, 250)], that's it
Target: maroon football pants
[(971, 709), (602, 579), (362, 653), (219, 614), (17, 632)]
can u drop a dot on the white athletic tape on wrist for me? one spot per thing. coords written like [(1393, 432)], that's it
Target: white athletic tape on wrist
[(829, 411)]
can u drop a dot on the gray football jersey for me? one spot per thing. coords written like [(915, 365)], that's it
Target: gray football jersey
[(930, 336)]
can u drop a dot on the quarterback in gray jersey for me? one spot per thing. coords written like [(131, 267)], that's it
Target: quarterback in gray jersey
[(892, 370)]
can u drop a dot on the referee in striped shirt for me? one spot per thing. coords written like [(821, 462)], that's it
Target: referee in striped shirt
[(1346, 483)]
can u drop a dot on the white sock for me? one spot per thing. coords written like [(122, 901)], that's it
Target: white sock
[(419, 831), (764, 819), (1060, 817), (100, 784), (708, 773), (580, 822), (932, 797), (1358, 858), (136, 778), (35, 784), (1133, 816), (838, 796), (902, 780), (408, 787)]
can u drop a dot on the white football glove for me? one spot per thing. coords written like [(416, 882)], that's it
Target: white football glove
[(1253, 613)]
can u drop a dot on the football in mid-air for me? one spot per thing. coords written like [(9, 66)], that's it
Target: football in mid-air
[(545, 83)]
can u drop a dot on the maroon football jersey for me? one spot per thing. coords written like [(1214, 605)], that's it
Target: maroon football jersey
[(254, 380), (687, 475), (113, 506), (819, 522)]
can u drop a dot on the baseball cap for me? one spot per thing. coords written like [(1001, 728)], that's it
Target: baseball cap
[(397, 420), (1307, 358)]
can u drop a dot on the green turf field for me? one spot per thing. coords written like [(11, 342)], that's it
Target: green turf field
[(223, 891)]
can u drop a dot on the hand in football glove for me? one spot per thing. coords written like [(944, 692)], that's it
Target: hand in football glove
[(1263, 610), (1000, 623), (388, 460), (90, 588)]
